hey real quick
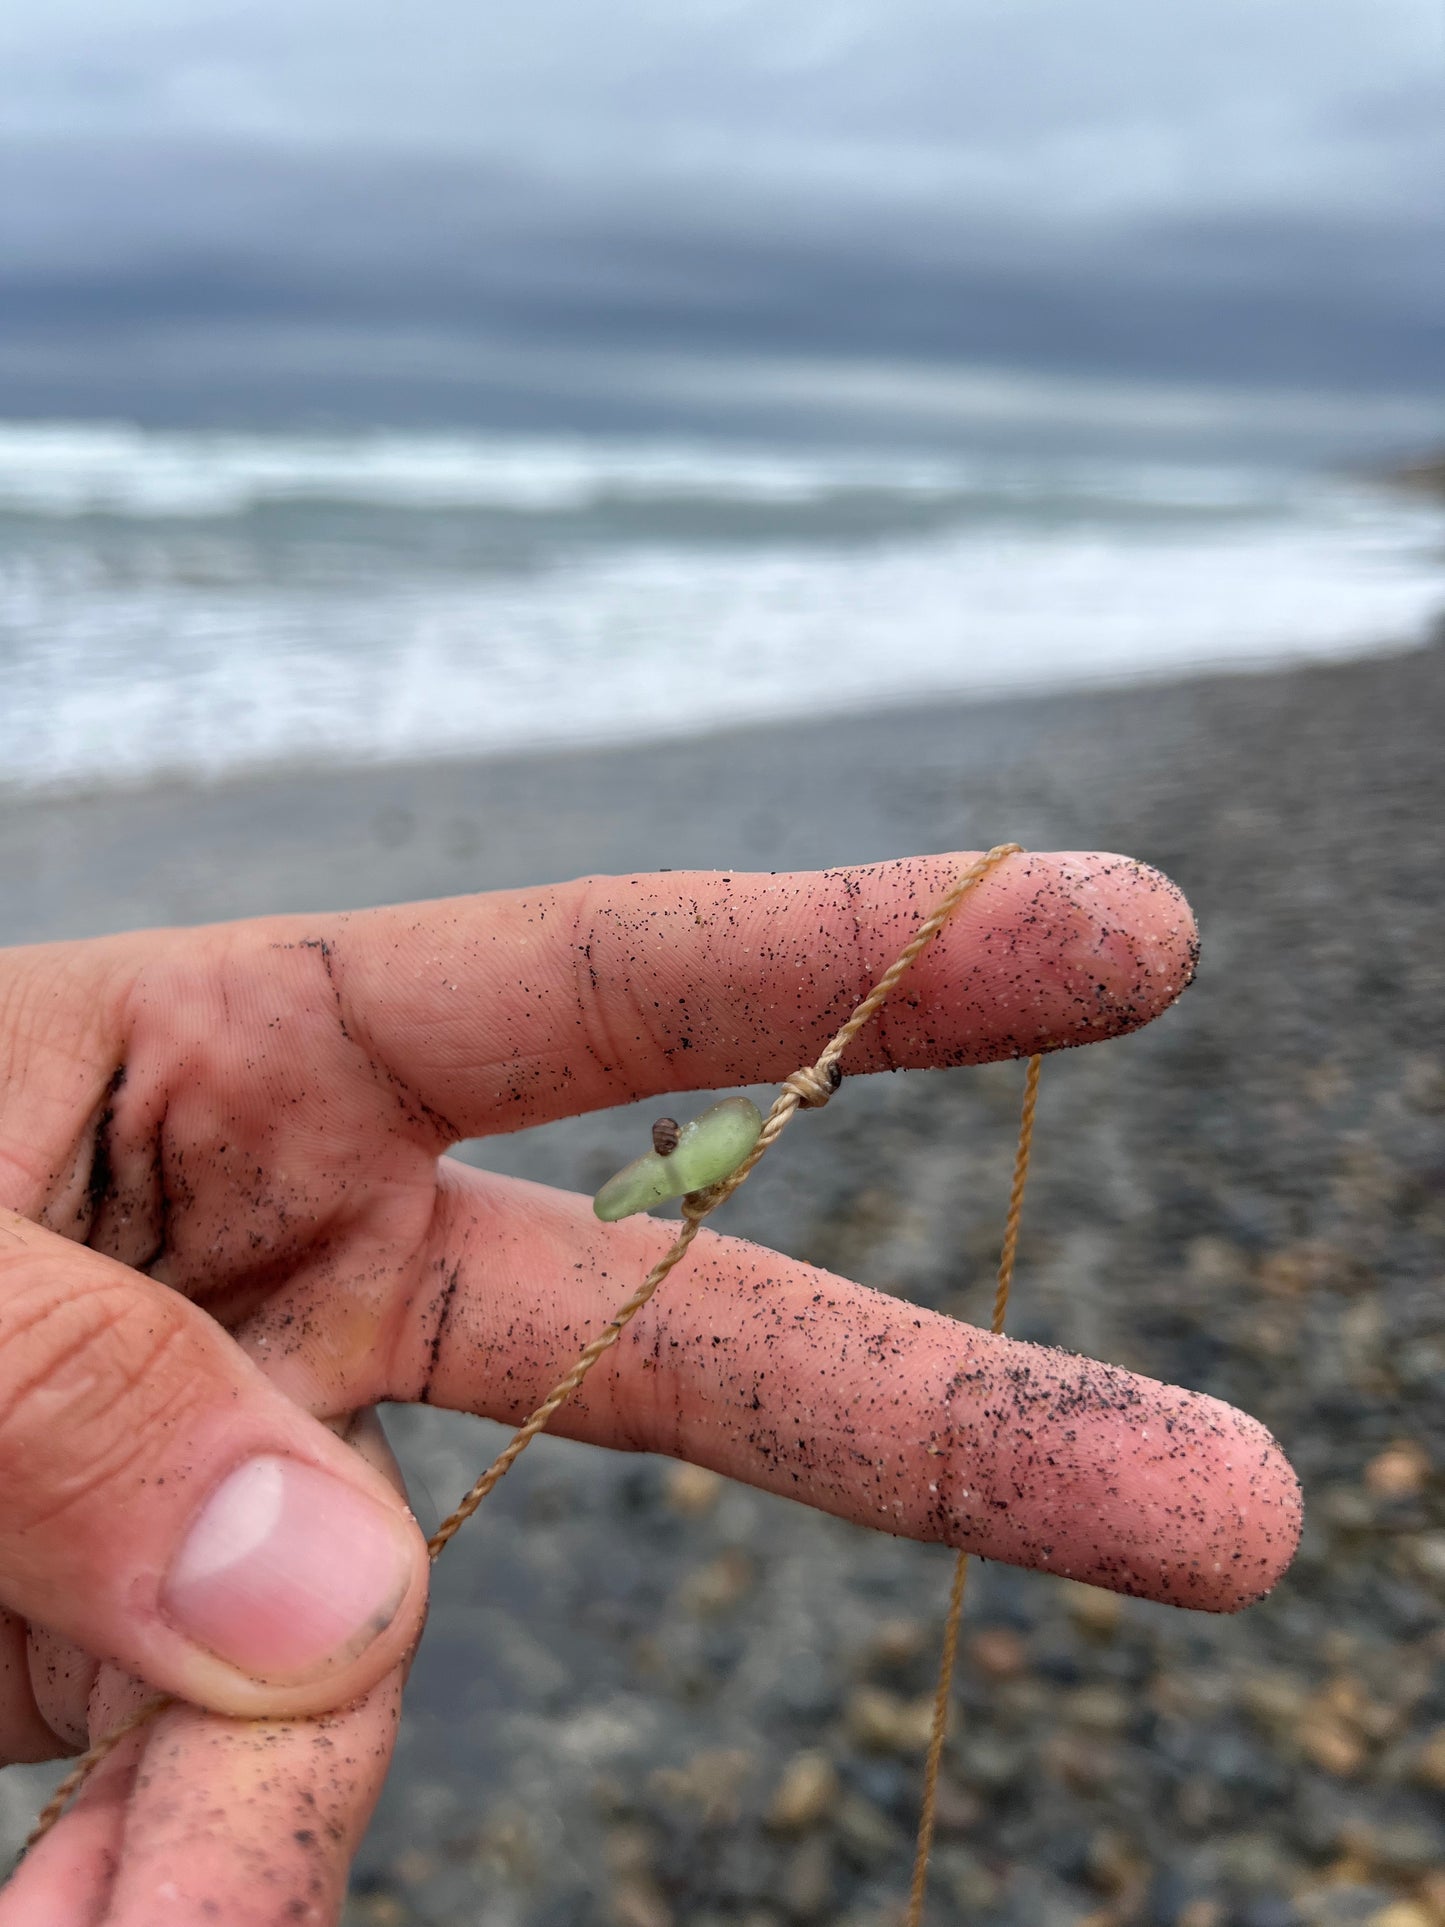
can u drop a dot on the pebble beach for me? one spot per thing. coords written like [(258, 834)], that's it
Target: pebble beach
[(651, 1698)]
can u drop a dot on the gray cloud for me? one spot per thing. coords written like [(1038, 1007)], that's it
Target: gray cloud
[(482, 203)]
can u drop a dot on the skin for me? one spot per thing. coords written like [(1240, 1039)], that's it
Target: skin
[(227, 1224)]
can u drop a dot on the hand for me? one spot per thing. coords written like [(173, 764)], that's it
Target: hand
[(225, 1221)]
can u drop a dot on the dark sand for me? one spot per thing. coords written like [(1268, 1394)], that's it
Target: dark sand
[(1249, 1198)]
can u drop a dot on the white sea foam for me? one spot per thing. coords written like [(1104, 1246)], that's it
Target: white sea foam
[(130, 648), (106, 468), (68, 469)]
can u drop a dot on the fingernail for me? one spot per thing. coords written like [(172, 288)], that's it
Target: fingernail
[(288, 1571)]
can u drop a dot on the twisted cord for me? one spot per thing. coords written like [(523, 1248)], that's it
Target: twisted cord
[(943, 1691), (89, 1760), (1010, 1248), (809, 1087)]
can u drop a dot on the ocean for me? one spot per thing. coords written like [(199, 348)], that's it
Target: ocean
[(200, 604)]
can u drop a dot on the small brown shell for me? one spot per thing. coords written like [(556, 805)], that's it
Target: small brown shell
[(664, 1136)]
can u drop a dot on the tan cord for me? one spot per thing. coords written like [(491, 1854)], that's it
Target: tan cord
[(1010, 1247), (809, 1087), (89, 1761), (943, 1692)]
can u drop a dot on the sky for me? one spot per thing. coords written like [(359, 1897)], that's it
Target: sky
[(926, 213)]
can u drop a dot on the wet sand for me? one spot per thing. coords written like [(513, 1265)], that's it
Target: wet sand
[(625, 1663)]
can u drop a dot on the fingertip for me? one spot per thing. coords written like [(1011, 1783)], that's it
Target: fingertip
[(1123, 1482), (1141, 925), (295, 1589), (1115, 939), (1252, 1513), (1054, 949)]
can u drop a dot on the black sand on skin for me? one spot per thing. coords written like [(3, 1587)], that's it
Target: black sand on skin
[(650, 1700)]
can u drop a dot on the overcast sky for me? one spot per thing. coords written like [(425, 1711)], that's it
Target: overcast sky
[(564, 210)]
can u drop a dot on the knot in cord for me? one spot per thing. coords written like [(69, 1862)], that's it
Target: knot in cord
[(814, 1084)]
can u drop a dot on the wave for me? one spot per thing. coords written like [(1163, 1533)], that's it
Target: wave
[(163, 674), (70, 470)]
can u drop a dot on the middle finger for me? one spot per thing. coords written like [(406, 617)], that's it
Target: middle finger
[(805, 1384)]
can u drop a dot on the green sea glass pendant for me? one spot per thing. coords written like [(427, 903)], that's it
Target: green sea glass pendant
[(706, 1151)]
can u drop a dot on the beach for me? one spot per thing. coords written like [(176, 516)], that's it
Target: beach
[(654, 1699)]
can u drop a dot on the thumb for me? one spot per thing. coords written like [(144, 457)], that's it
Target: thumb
[(166, 1507)]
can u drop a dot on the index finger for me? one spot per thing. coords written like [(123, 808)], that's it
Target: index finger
[(511, 1009)]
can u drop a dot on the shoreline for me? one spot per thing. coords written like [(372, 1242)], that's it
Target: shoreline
[(914, 707), (286, 769), (423, 827)]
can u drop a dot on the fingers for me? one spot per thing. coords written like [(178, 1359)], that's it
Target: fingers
[(862, 1405), (200, 1818), (163, 1505), (505, 1010)]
